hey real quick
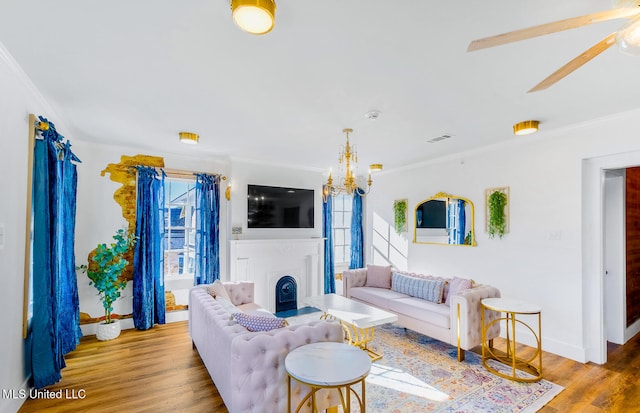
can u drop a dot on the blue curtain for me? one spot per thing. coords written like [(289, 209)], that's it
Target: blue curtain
[(357, 237), (456, 220), (56, 314), (327, 234), (148, 272), (207, 268)]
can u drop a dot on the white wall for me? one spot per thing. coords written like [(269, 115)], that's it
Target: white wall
[(18, 98), (541, 259), (99, 216), (245, 172)]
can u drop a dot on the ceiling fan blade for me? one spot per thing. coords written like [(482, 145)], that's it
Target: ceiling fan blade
[(552, 27), (573, 65)]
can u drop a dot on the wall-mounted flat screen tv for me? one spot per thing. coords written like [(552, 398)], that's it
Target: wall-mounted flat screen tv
[(278, 207)]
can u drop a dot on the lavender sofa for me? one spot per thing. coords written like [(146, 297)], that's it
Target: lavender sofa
[(457, 323), (246, 367)]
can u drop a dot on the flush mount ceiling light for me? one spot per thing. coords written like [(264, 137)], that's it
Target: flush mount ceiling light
[(375, 167), (254, 16), (526, 127), (189, 138)]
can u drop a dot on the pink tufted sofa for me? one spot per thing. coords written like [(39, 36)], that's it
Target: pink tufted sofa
[(246, 367), (457, 323)]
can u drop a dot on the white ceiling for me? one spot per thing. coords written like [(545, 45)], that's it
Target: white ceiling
[(136, 72)]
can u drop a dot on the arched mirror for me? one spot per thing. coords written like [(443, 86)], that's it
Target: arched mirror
[(444, 219)]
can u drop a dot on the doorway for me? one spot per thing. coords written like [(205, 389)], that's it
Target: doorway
[(593, 249), (614, 255), (621, 253)]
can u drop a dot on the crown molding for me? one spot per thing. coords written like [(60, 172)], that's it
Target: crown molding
[(50, 113)]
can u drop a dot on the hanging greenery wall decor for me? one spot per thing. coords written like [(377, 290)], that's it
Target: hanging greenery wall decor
[(400, 215), (497, 217)]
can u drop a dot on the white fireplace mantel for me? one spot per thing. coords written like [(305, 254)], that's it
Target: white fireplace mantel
[(264, 261)]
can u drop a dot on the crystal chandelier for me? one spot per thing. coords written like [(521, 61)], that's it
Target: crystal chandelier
[(348, 159)]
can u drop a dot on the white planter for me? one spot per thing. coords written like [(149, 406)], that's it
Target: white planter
[(109, 331)]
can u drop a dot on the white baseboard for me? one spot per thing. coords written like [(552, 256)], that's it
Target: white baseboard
[(631, 331), (174, 316), (127, 323), (550, 345)]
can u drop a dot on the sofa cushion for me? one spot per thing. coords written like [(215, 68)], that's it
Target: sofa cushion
[(259, 323), (240, 292), (380, 297), (211, 290), (218, 289), (423, 310), (249, 307), (378, 276), (455, 286), (430, 289), (261, 312), (228, 306)]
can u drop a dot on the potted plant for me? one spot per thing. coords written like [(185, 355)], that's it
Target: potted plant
[(104, 270)]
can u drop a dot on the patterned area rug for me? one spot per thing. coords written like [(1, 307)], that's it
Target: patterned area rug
[(420, 374)]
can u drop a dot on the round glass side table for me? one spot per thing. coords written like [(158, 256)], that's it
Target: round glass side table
[(511, 309), (328, 365)]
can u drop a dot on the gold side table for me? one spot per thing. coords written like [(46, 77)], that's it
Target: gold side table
[(512, 308), (328, 365)]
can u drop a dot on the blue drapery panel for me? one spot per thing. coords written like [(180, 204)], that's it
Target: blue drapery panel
[(327, 234), (456, 221), (357, 237), (148, 273), (56, 314), (207, 268)]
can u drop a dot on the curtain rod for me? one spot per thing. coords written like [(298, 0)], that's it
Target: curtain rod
[(178, 173)]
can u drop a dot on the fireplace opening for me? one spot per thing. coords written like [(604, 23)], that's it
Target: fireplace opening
[(286, 294)]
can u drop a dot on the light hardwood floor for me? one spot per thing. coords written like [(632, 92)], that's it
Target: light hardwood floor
[(158, 371)]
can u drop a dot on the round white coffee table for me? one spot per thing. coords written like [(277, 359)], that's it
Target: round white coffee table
[(328, 366), (511, 308)]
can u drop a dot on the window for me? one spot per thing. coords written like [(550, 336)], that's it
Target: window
[(179, 228), (342, 230)]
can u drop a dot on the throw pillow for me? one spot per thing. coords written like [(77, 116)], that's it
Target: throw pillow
[(211, 291), (228, 306), (261, 312), (378, 276), (220, 290), (429, 289), (455, 286), (259, 323)]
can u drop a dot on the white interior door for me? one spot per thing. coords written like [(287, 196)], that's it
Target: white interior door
[(614, 256)]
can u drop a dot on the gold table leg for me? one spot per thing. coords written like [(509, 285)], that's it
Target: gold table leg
[(511, 359), (361, 337), (345, 400), (356, 336)]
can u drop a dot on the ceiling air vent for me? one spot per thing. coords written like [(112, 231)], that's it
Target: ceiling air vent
[(440, 138)]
